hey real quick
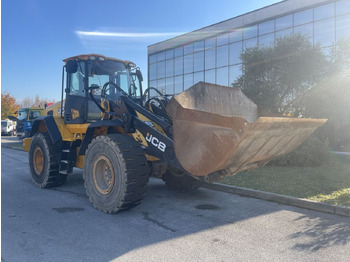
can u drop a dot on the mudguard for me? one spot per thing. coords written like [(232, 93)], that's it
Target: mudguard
[(51, 127)]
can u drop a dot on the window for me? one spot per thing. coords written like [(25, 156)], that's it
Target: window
[(307, 30), (235, 72), (210, 43), (266, 40), (169, 86), (236, 36), (266, 27), (324, 32), (222, 76), (210, 76), (198, 62), (284, 22), (188, 49), (178, 51), (160, 56), (152, 58), (169, 64), (198, 46), (179, 61), (152, 71), (153, 84), (222, 56), (342, 7), (235, 53), (343, 27), (188, 81), (283, 33), (34, 114), (188, 63), (76, 83), (303, 17), (210, 56), (169, 54), (222, 40), (250, 43), (179, 85), (324, 11), (161, 69), (22, 114), (161, 85), (251, 31), (197, 77)]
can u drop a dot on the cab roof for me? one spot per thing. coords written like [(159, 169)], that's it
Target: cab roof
[(87, 57)]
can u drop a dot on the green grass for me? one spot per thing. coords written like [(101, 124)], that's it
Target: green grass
[(18, 145), (329, 183)]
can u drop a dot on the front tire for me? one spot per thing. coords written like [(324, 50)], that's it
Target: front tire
[(44, 162), (116, 173)]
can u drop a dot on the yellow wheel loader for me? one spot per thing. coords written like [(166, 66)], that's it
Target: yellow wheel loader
[(120, 135)]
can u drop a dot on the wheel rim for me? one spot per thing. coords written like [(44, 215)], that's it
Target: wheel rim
[(103, 175), (38, 160)]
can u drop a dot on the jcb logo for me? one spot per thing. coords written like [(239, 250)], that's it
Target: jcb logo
[(155, 142)]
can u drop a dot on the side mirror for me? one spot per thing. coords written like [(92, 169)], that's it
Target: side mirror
[(71, 66), (139, 74)]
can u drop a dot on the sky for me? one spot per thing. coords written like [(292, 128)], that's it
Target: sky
[(36, 35)]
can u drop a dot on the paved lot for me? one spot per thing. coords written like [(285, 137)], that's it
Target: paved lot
[(61, 225)]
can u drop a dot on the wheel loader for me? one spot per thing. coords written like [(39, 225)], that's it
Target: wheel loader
[(120, 136)]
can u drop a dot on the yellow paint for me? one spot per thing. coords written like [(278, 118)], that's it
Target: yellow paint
[(71, 132), (80, 160), (144, 119), (26, 143)]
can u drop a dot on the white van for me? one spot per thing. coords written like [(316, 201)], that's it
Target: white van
[(8, 127)]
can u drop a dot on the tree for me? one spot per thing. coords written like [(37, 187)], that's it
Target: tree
[(35, 102), (8, 105), (275, 76), (296, 74)]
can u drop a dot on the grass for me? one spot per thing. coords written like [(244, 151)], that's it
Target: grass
[(17, 145), (329, 183)]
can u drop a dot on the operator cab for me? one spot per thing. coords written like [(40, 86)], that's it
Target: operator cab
[(91, 78)]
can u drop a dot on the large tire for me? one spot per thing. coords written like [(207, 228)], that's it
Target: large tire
[(116, 173), (44, 162), (180, 181)]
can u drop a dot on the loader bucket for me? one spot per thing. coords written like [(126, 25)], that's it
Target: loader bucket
[(218, 128)]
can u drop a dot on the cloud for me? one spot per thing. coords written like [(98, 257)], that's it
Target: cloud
[(126, 35)]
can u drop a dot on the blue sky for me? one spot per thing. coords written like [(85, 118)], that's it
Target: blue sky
[(36, 35)]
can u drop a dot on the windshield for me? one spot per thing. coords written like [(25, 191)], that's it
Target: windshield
[(22, 114), (99, 73), (3, 124), (33, 114)]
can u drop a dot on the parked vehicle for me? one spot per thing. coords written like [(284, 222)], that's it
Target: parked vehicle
[(120, 136), (8, 127), (25, 120)]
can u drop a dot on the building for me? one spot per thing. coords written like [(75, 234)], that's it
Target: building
[(212, 54)]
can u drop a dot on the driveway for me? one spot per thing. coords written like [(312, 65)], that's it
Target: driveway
[(60, 224)]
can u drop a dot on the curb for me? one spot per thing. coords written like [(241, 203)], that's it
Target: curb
[(286, 200), (10, 145)]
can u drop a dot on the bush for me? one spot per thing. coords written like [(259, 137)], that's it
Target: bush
[(312, 152)]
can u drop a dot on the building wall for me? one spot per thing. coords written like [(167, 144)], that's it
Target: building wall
[(212, 54)]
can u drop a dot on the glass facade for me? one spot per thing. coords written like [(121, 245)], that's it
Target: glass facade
[(217, 59)]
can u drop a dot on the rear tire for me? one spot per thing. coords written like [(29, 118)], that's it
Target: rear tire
[(116, 173), (44, 162), (180, 181)]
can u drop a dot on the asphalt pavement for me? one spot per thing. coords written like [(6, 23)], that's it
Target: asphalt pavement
[(60, 224)]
